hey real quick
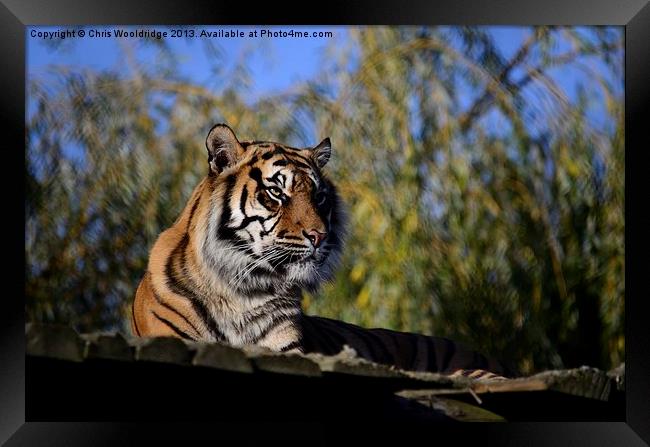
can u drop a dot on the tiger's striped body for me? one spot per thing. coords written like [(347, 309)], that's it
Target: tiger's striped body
[(407, 351), (261, 227)]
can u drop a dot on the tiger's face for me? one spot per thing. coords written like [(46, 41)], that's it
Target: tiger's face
[(279, 215)]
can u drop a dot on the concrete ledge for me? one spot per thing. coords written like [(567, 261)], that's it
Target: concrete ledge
[(567, 394), (222, 357), (107, 346), (61, 342), (163, 349)]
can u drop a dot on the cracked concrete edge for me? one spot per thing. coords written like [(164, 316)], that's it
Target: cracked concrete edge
[(65, 343)]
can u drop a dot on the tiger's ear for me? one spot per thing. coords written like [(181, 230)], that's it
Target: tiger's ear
[(321, 153), (223, 148)]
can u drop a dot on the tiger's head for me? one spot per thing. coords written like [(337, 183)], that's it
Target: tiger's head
[(279, 220)]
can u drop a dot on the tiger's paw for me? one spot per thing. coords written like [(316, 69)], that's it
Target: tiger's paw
[(477, 374)]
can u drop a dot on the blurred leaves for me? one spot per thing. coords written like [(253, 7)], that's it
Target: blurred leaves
[(484, 204)]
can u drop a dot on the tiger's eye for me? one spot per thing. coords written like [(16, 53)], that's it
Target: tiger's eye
[(274, 191)]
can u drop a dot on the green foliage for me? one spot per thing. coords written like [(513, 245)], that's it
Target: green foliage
[(499, 224)]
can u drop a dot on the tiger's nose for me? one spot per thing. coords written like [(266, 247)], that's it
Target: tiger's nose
[(315, 237)]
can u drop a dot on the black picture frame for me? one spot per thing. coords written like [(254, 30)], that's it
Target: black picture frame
[(634, 15)]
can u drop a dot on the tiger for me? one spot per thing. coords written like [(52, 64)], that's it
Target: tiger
[(264, 225)]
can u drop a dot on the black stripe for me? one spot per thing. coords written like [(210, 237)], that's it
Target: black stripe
[(293, 148), (247, 221), (280, 162), (223, 232), (264, 232), (368, 338), (256, 174), (260, 143), (172, 326), (263, 199), (242, 200), (432, 364), (193, 210), (268, 308), (293, 238), (445, 353), (388, 341), (169, 307), (270, 154), (385, 356), (310, 162), (293, 344), (301, 165), (408, 351), (176, 286), (185, 242), (276, 320), (278, 178), (422, 353)]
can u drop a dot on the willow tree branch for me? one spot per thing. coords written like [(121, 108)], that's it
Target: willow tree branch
[(482, 103)]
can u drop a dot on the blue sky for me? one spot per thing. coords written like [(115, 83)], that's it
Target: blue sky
[(275, 63)]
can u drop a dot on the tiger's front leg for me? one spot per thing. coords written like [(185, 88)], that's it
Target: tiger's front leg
[(283, 338)]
